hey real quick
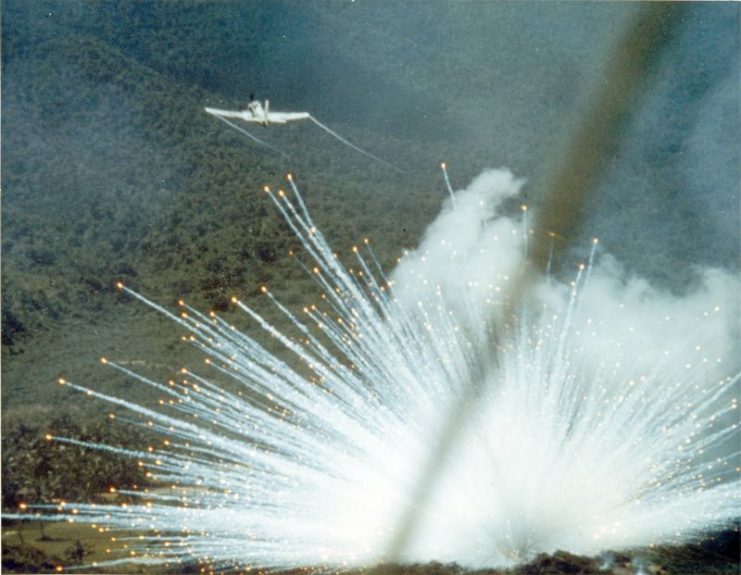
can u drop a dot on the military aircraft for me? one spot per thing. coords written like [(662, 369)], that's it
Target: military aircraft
[(259, 114)]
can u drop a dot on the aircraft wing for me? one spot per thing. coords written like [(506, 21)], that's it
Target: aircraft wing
[(283, 117), (242, 115)]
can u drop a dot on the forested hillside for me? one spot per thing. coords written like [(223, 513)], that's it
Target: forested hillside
[(112, 171)]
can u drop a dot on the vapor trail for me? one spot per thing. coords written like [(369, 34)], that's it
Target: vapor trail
[(255, 138), (353, 146)]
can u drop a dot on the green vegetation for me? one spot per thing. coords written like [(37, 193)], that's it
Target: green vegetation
[(112, 172), (37, 470)]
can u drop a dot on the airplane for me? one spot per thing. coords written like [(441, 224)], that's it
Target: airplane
[(256, 113)]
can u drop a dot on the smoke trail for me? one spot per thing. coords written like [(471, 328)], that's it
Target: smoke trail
[(323, 127), (254, 138), (578, 174), (444, 168), (353, 146), (599, 426)]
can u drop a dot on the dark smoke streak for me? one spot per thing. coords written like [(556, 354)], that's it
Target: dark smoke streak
[(560, 213)]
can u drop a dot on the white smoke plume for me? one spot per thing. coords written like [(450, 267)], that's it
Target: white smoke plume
[(605, 417), (555, 459)]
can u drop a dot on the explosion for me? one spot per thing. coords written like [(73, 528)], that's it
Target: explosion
[(603, 415)]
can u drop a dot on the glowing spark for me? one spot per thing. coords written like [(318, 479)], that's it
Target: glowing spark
[(313, 457)]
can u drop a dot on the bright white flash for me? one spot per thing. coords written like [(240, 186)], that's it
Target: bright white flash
[(600, 426)]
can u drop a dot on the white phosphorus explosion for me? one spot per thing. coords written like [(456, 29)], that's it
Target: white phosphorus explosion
[(606, 418)]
